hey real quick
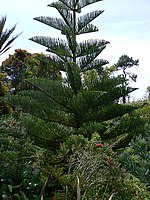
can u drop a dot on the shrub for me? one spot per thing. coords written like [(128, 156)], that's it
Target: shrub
[(18, 159), (98, 172)]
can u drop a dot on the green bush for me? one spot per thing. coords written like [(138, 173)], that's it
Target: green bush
[(98, 172), (18, 160)]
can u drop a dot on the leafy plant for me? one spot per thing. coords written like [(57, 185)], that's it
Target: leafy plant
[(9, 191), (18, 167), (95, 173)]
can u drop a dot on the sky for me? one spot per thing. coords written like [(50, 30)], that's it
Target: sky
[(125, 24)]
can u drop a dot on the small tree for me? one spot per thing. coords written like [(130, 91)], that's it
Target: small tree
[(15, 67), (22, 65), (124, 63)]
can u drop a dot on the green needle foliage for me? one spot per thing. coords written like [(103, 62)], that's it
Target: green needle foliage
[(78, 104)]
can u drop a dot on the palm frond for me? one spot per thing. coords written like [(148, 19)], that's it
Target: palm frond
[(5, 40), (2, 24)]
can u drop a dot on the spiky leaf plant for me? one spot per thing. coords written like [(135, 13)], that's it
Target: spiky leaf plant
[(5, 36)]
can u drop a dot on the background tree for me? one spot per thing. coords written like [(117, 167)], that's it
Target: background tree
[(124, 63), (16, 69), (22, 65), (41, 67)]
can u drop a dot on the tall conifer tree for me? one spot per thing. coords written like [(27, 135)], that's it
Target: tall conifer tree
[(78, 104)]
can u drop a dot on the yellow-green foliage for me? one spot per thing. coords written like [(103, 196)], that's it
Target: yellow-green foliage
[(4, 88)]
